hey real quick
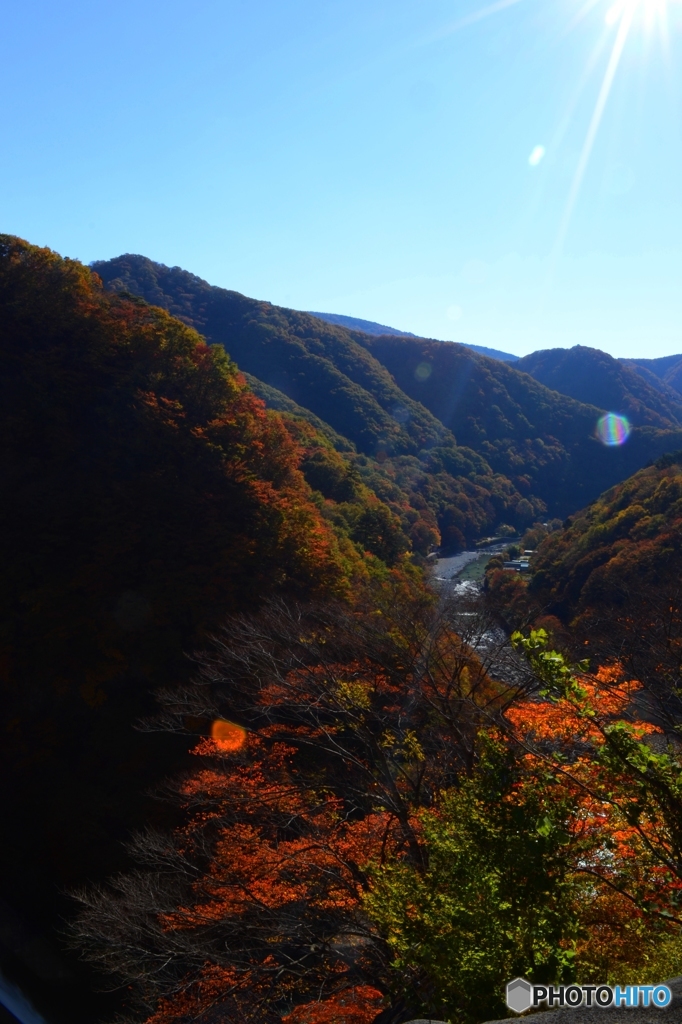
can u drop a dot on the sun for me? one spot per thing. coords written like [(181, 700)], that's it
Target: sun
[(647, 12)]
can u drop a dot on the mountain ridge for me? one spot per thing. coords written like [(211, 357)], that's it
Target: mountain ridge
[(398, 397), (592, 376), (371, 327)]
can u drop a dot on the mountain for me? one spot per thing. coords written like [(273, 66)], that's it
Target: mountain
[(598, 379), (608, 582), (317, 365), (667, 369), (146, 495), (370, 327), (543, 441), (403, 449), (522, 448), (493, 353), (354, 323)]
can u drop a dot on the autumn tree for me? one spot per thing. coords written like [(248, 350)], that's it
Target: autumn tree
[(146, 494), (601, 736), (328, 729)]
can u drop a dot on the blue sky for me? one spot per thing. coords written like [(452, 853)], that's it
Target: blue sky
[(367, 157)]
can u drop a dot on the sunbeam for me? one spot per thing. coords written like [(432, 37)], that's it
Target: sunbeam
[(626, 19), (623, 16), (471, 19)]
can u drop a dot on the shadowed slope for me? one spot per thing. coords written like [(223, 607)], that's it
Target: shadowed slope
[(543, 441), (596, 378)]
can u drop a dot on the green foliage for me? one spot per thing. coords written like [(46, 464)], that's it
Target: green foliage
[(649, 779), (542, 441), (495, 901), (442, 493), (631, 772), (598, 379), (317, 365), (557, 675)]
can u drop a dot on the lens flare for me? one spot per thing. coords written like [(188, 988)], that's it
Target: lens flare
[(536, 156), (613, 429), (227, 735)]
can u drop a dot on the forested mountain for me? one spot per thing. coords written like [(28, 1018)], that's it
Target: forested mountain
[(370, 327), (596, 378), (221, 605), (354, 323), (146, 494), (611, 577), (405, 451), (667, 369), (625, 543), (535, 449), (321, 367), (545, 442)]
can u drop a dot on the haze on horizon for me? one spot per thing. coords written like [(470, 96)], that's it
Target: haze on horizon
[(406, 163)]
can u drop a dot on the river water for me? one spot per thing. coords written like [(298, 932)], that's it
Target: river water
[(465, 570)]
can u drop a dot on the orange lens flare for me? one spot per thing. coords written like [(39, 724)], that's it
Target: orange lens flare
[(227, 736)]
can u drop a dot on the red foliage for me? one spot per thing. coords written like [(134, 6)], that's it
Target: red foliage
[(358, 1005)]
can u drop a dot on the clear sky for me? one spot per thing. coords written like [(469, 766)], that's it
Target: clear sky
[(408, 162)]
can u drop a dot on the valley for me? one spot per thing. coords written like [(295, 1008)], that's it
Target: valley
[(269, 682)]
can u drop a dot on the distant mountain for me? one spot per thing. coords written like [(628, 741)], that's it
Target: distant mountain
[(493, 353), (596, 378), (521, 449), (354, 323), (667, 369), (370, 327), (542, 440), (443, 492)]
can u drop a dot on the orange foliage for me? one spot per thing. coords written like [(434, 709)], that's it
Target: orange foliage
[(562, 721), (358, 1005), (281, 850), (623, 839)]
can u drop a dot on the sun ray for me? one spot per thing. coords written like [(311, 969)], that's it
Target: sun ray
[(580, 15), (576, 95), (625, 23), (471, 19)]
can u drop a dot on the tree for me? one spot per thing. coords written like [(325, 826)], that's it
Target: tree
[(146, 495), (330, 728), (594, 732), (497, 898)]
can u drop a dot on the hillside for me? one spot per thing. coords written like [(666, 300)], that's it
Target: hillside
[(610, 579), (370, 327), (147, 494), (596, 378), (667, 369), (535, 450), (436, 485), (543, 441), (319, 366), (627, 541), (354, 323), (527, 449)]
